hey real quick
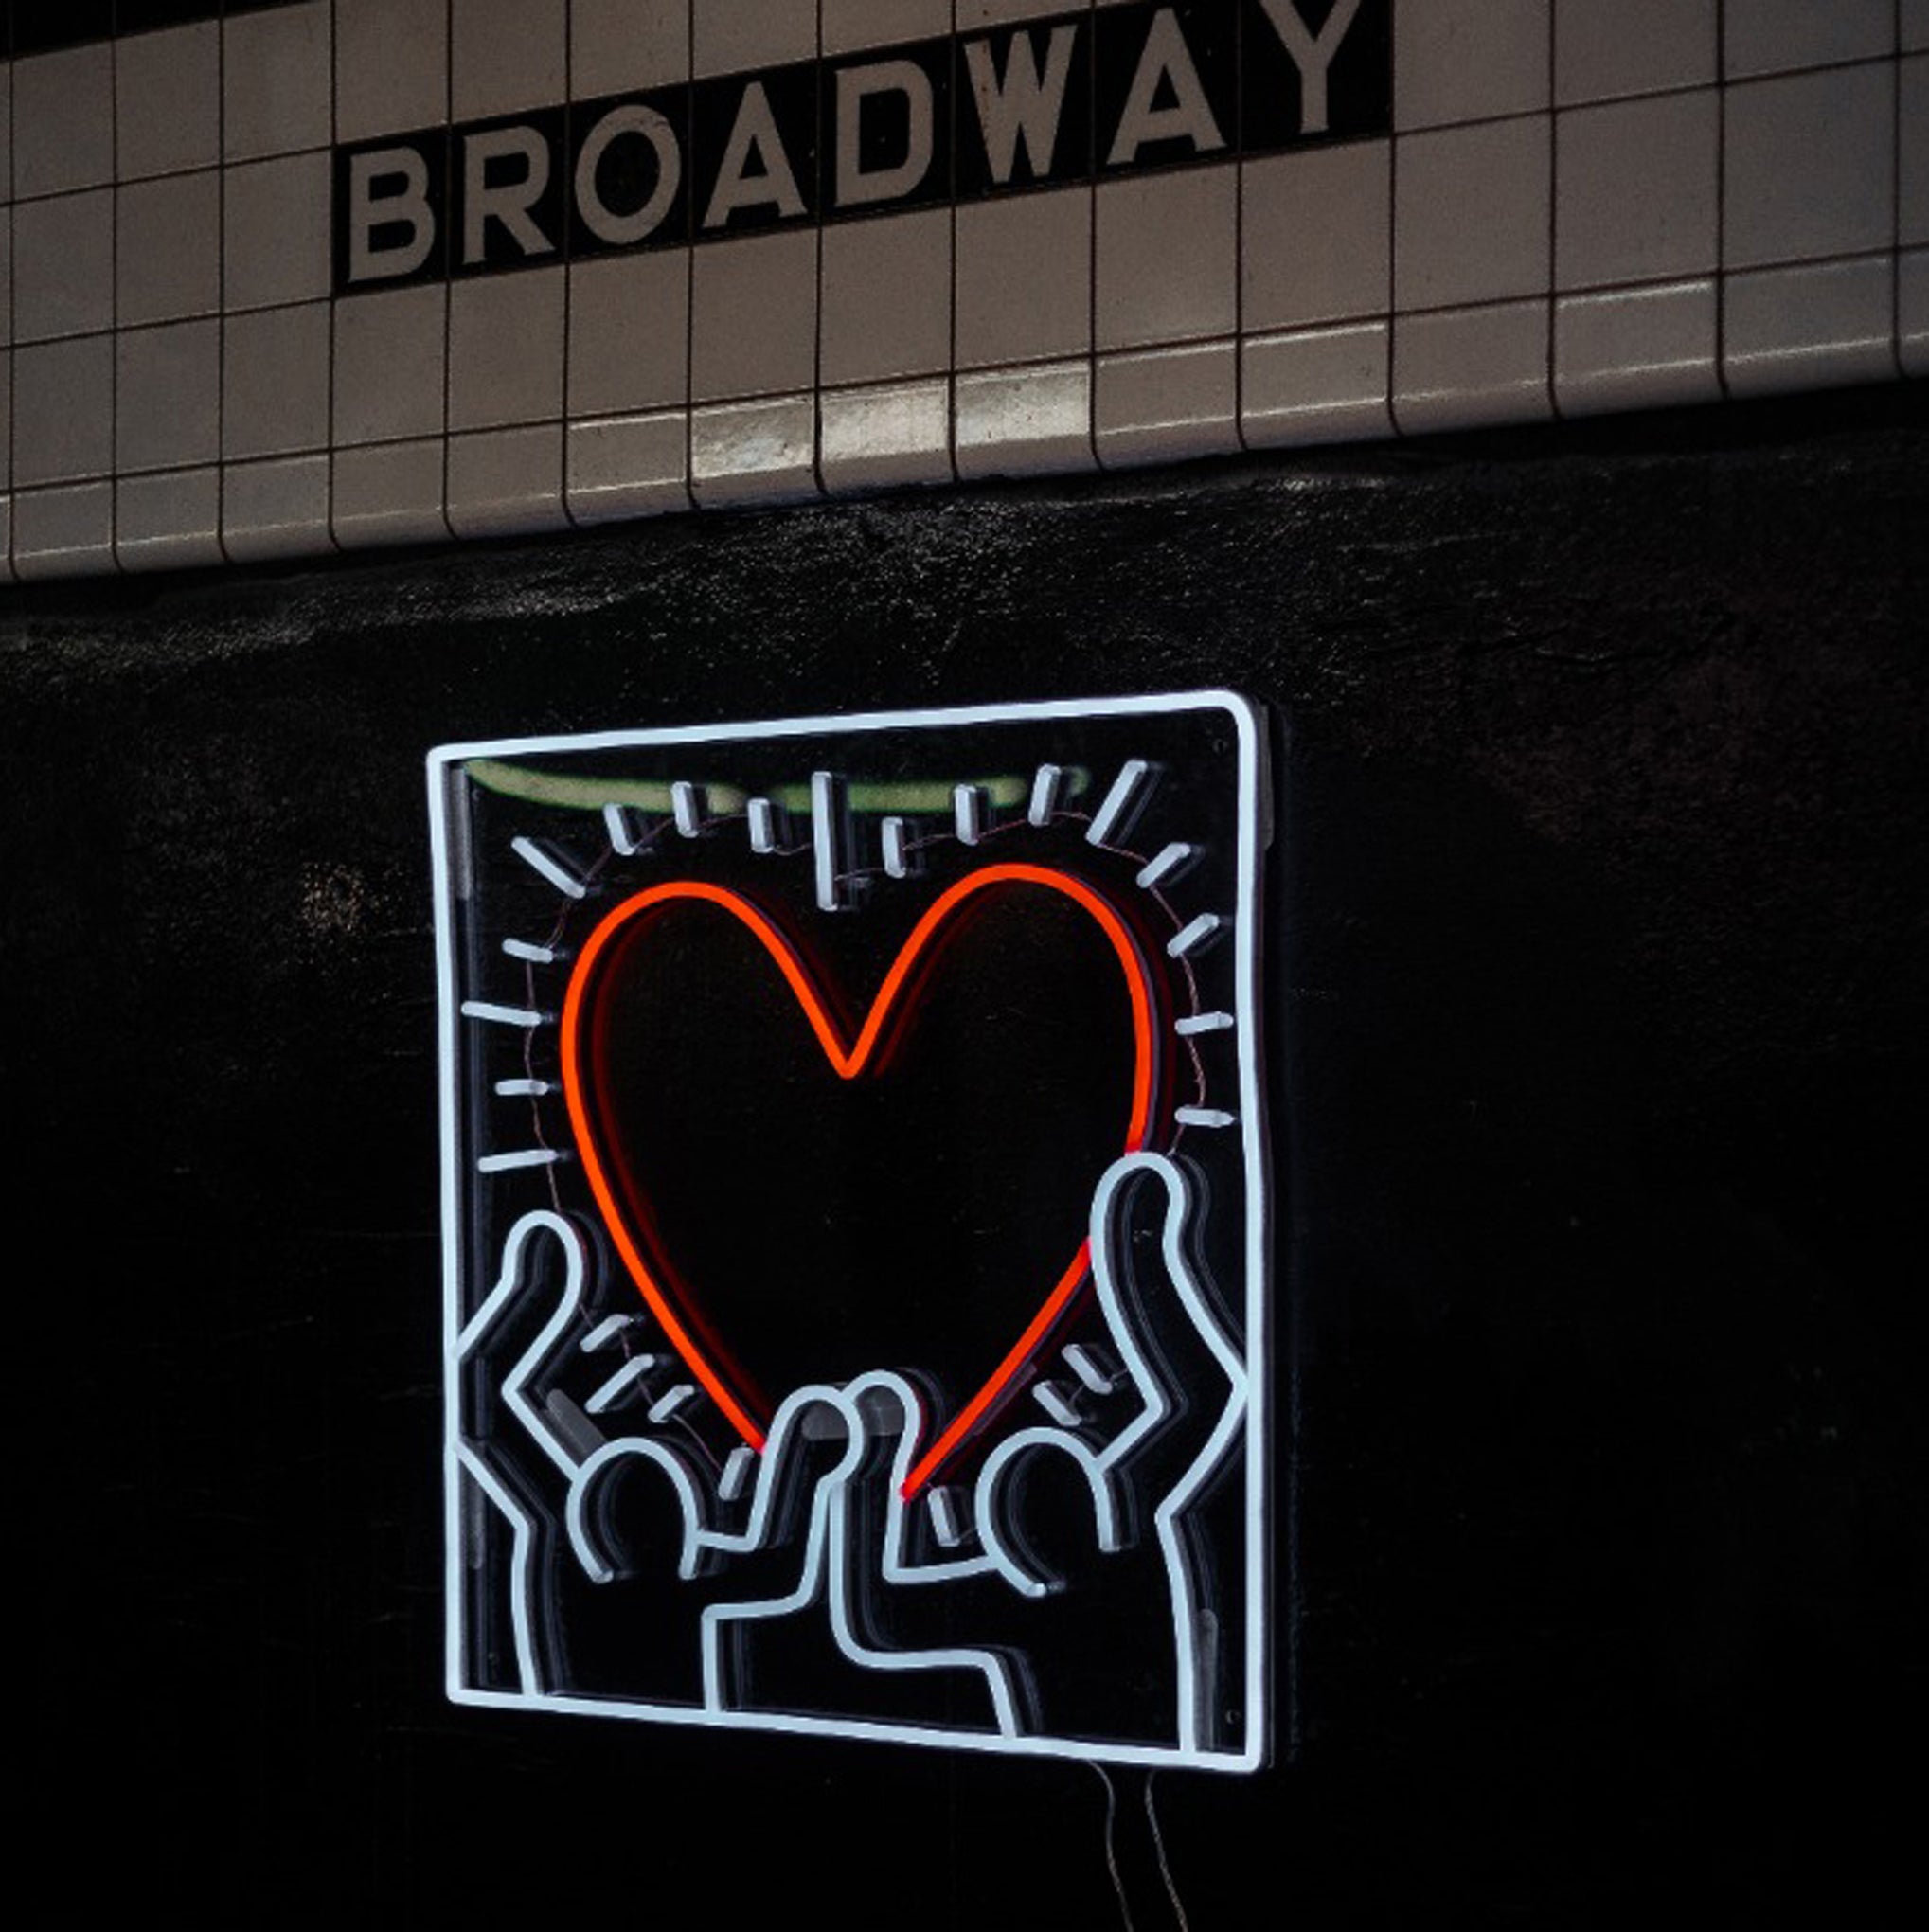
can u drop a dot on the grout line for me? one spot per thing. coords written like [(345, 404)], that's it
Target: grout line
[(1721, 199), (334, 543), (822, 199), (1393, 310), (1239, 222), (1092, 190), (220, 288), (690, 258), (452, 194), (1896, 198), (1553, 204), (114, 357), (565, 249)]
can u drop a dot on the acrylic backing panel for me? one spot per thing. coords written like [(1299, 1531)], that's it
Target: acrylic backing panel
[(855, 1226)]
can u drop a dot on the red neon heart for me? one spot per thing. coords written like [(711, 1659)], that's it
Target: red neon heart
[(849, 1062)]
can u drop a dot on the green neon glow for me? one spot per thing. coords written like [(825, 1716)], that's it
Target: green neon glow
[(647, 795)]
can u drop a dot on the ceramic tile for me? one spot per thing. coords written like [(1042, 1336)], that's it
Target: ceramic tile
[(1024, 278), (1465, 366), (390, 355), (1166, 404), (886, 131), (1912, 153), (64, 121), (754, 320), (1915, 24), (1468, 60), (168, 522), (752, 452), (5, 539), (275, 219), (1314, 243), (1912, 310), (276, 89), (506, 349), (63, 532), (1016, 423), (1604, 49), (1471, 213), (628, 333), (628, 466), (727, 37), (1636, 349), (1775, 36), (504, 481), (1635, 192), (1811, 327), (6, 130), (507, 54), (166, 395), (63, 410), (1809, 169), (888, 435), (278, 509), (64, 265), (167, 248), (1165, 263), (6, 276), (616, 47), (6, 425), (1315, 385), (167, 92), (391, 66), (845, 25), (389, 493), (886, 297), (275, 381)]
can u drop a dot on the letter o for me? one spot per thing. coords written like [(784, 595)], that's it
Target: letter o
[(602, 222)]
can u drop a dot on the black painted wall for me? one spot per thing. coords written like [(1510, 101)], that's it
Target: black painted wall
[(1598, 993)]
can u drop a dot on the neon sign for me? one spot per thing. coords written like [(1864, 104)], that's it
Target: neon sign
[(854, 1200)]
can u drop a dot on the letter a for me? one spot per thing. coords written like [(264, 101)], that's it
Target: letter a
[(1166, 57)]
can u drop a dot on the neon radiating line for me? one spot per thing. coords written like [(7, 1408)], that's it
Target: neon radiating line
[(501, 1015), (1044, 793), (1204, 1117), (762, 816), (605, 1331), (536, 955), (849, 1062), (968, 813), (895, 857), (684, 807), (1166, 863), (558, 875), (624, 841), (528, 1156), (1191, 938), (515, 1089), (632, 1370), (1078, 1358), (1203, 1023), (667, 1405), (1047, 1397), (1117, 800), (827, 802)]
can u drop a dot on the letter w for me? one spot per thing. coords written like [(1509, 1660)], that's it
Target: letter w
[(1024, 105)]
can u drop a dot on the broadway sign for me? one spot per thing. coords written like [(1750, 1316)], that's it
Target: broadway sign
[(1101, 93)]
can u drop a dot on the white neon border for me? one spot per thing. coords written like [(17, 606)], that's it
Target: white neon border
[(1255, 833)]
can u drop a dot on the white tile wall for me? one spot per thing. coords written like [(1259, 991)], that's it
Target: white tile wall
[(1575, 206)]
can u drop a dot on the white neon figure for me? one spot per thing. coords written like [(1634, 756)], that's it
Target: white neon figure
[(1100, 1467), (509, 1282)]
